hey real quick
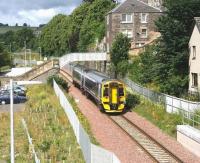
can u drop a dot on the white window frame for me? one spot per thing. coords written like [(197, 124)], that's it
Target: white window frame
[(108, 34), (143, 17), (126, 33), (126, 21), (194, 83), (108, 19), (144, 36)]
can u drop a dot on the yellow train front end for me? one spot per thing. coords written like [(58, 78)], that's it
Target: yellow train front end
[(113, 96)]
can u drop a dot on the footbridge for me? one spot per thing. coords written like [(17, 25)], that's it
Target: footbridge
[(74, 57)]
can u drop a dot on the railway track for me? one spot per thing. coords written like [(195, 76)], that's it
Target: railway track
[(155, 150)]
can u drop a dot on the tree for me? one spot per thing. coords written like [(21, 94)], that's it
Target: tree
[(172, 55), (25, 25), (93, 27), (4, 57), (119, 53)]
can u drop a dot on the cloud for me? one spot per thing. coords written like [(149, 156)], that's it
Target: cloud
[(34, 12)]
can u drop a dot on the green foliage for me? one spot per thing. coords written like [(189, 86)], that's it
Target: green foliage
[(14, 40), (132, 100), (60, 81), (93, 27), (119, 53), (172, 55), (158, 116), (4, 57), (78, 31), (55, 36), (166, 63)]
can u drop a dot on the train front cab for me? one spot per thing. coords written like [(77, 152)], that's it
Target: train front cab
[(113, 96)]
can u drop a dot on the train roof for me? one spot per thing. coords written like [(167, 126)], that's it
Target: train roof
[(96, 76)]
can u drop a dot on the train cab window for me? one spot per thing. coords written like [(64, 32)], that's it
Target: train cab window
[(121, 92), (105, 92)]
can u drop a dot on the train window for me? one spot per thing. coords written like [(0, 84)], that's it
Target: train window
[(105, 92), (121, 92)]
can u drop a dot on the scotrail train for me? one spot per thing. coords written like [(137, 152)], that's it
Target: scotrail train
[(108, 93)]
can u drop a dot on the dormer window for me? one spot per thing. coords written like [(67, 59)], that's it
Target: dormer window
[(144, 17), (127, 18)]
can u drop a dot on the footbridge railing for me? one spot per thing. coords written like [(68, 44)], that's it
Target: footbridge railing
[(73, 57)]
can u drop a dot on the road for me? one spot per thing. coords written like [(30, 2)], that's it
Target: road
[(17, 108)]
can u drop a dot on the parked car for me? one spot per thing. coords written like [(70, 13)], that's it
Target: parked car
[(15, 91), (5, 99)]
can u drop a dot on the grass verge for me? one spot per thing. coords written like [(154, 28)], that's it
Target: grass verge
[(157, 114), (51, 132), (50, 129), (83, 120)]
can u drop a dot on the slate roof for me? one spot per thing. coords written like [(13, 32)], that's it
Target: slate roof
[(197, 19), (134, 6)]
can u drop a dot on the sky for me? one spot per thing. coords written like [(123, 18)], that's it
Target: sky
[(34, 12)]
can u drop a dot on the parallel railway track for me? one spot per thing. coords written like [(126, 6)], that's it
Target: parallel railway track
[(155, 150)]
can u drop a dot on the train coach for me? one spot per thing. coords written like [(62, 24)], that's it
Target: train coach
[(108, 93)]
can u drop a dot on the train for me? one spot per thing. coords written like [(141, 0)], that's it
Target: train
[(109, 94)]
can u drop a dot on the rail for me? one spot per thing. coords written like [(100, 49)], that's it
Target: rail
[(151, 146)]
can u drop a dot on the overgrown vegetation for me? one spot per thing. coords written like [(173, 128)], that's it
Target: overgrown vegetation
[(52, 133), (157, 114), (132, 100), (60, 81), (77, 32)]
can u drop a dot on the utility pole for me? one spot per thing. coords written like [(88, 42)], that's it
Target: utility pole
[(40, 52), (25, 54), (12, 151)]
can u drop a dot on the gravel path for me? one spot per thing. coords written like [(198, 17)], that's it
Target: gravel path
[(108, 134), (170, 143)]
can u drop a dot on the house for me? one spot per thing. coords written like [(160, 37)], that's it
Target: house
[(194, 60), (134, 18)]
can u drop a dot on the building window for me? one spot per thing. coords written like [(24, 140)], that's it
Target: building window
[(126, 18), (138, 45), (108, 34), (108, 47), (128, 33), (143, 18), (143, 33), (108, 20), (194, 80), (193, 52)]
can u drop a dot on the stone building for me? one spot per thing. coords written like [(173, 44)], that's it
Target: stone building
[(194, 60), (135, 19)]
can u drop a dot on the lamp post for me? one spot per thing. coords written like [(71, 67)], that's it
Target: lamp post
[(40, 52), (12, 151), (25, 54), (30, 58)]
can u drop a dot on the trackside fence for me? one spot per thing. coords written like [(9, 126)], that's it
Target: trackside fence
[(91, 152), (172, 104)]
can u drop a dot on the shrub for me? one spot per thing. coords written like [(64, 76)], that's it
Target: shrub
[(59, 81), (132, 100)]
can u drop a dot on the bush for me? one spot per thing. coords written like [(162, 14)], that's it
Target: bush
[(132, 100), (59, 81)]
